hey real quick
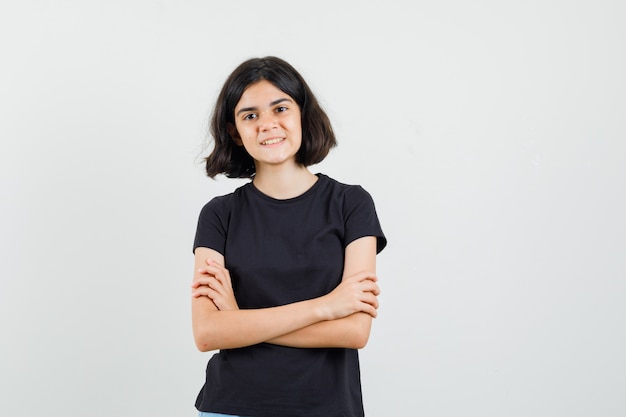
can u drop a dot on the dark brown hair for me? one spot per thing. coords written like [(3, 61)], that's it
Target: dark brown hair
[(317, 134)]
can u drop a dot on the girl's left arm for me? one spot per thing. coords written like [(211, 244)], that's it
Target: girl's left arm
[(349, 332)]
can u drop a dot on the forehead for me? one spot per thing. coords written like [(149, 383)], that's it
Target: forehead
[(260, 93)]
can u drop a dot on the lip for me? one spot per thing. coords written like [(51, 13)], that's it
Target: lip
[(275, 141)]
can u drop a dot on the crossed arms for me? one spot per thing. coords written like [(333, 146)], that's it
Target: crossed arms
[(341, 318)]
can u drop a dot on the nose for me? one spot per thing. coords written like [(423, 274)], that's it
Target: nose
[(267, 120)]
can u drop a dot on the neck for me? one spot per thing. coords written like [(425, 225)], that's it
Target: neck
[(284, 182)]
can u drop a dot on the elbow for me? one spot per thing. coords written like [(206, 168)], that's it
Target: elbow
[(204, 341), (203, 346), (359, 335), (359, 340), (206, 330)]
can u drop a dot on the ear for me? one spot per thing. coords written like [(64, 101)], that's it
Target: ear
[(232, 131)]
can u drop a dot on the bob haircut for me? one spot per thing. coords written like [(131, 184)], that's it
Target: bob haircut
[(231, 159)]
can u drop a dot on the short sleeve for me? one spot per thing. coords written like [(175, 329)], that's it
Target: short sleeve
[(212, 225), (360, 217)]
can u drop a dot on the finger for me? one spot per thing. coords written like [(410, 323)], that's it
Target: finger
[(216, 285), (369, 286), (369, 309), (211, 283), (375, 290), (210, 270), (213, 262), (371, 300), (218, 272), (200, 281), (204, 291), (205, 280), (370, 276), (210, 261)]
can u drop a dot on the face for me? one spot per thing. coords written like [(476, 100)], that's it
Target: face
[(268, 125)]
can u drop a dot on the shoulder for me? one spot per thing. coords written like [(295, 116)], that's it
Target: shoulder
[(349, 193), (359, 213), (222, 205)]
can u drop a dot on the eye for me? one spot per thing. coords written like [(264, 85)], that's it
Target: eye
[(249, 116), (281, 109)]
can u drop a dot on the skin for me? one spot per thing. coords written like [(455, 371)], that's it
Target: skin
[(341, 318)]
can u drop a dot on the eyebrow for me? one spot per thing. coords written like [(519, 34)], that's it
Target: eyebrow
[(272, 104)]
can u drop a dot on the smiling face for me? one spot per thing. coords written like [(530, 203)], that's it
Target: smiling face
[(268, 125)]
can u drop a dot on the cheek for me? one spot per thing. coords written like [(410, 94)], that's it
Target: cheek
[(296, 126), (245, 134)]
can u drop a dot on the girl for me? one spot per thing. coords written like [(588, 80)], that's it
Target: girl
[(284, 284)]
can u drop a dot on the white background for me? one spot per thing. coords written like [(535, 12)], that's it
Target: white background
[(491, 135)]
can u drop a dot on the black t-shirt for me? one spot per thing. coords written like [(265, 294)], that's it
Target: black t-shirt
[(280, 252)]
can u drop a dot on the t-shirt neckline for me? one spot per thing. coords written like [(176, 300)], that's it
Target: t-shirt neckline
[(320, 178)]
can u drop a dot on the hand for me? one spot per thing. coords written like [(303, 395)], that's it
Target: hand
[(214, 282), (356, 293)]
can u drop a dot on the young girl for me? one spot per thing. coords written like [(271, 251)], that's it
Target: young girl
[(284, 284)]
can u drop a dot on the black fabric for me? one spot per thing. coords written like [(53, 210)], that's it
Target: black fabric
[(279, 252)]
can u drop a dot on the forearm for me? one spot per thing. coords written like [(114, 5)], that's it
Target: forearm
[(214, 329), (349, 332), (341, 318)]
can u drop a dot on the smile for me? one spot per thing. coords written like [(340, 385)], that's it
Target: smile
[(272, 141)]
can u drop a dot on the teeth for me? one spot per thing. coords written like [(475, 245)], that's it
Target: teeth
[(272, 141)]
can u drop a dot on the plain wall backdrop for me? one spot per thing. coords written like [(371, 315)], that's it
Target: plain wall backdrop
[(491, 135)]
